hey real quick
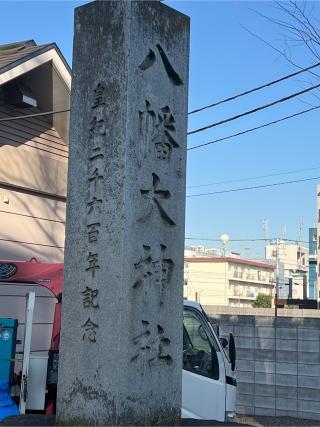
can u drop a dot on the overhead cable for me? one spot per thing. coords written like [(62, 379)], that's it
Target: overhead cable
[(247, 92), (28, 116), (254, 128), (255, 110), (246, 240), (47, 113), (232, 190), (254, 177), (31, 243)]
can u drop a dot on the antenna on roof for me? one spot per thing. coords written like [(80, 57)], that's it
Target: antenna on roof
[(283, 231), (301, 234), (301, 229), (265, 225)]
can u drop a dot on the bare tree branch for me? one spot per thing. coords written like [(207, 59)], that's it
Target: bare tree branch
[(279, 51)]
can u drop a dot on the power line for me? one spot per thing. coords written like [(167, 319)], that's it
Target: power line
[(196, 146), (254, 177), (6, 119), (254, 187), (246, 113), (33, 244), (254, 128), (231, 98), (230, 240), (247, 92), (244, 240), (28, 116)]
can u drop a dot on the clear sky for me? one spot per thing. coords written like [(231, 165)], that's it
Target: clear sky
[(224, 60)]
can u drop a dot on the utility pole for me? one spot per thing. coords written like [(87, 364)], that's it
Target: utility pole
[(301, 234), (265, 229), (284, 231), (224, 239), (277, 279)]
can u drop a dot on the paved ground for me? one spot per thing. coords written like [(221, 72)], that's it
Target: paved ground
[(28, 420), (240, 421), (43, 420)]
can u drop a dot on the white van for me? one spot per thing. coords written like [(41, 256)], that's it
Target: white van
[(208, 376)]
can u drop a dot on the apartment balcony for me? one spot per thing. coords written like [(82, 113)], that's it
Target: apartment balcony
[(252, 278), (245, 295), (238, 275), (238, 295)]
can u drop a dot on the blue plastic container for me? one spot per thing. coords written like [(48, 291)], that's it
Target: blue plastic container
[(8, 336)]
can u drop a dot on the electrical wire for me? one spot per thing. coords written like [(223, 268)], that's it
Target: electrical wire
[(5, 119), (230, 240), (247, 92), (254, 187), (254, 128), (254, 177), (226, 137), (28, 116), (247, 240), (231, 98), (255, 110), (31, 243)]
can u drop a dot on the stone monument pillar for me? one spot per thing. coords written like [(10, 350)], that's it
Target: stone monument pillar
[(121, 343)]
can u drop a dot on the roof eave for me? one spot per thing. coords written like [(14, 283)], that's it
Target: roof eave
[(7, 74)]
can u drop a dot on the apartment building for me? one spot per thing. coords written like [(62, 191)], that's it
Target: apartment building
[(227, 280), (293, 262)]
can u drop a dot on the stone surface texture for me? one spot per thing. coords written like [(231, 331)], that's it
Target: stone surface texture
[(121, 343)]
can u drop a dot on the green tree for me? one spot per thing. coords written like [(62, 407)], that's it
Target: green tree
[(262, 301)]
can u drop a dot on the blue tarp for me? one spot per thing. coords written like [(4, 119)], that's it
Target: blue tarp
[(7, 405)]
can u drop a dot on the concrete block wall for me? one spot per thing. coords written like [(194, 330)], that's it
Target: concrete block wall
[(278, 364)]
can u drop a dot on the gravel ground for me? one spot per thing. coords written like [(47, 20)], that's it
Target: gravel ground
[(262, 421)]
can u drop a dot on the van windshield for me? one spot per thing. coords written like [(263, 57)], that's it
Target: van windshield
[(199, 356)]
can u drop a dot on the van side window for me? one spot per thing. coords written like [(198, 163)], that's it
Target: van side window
[(199, 356)]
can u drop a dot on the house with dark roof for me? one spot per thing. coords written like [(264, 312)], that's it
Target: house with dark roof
[(34, 80)]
